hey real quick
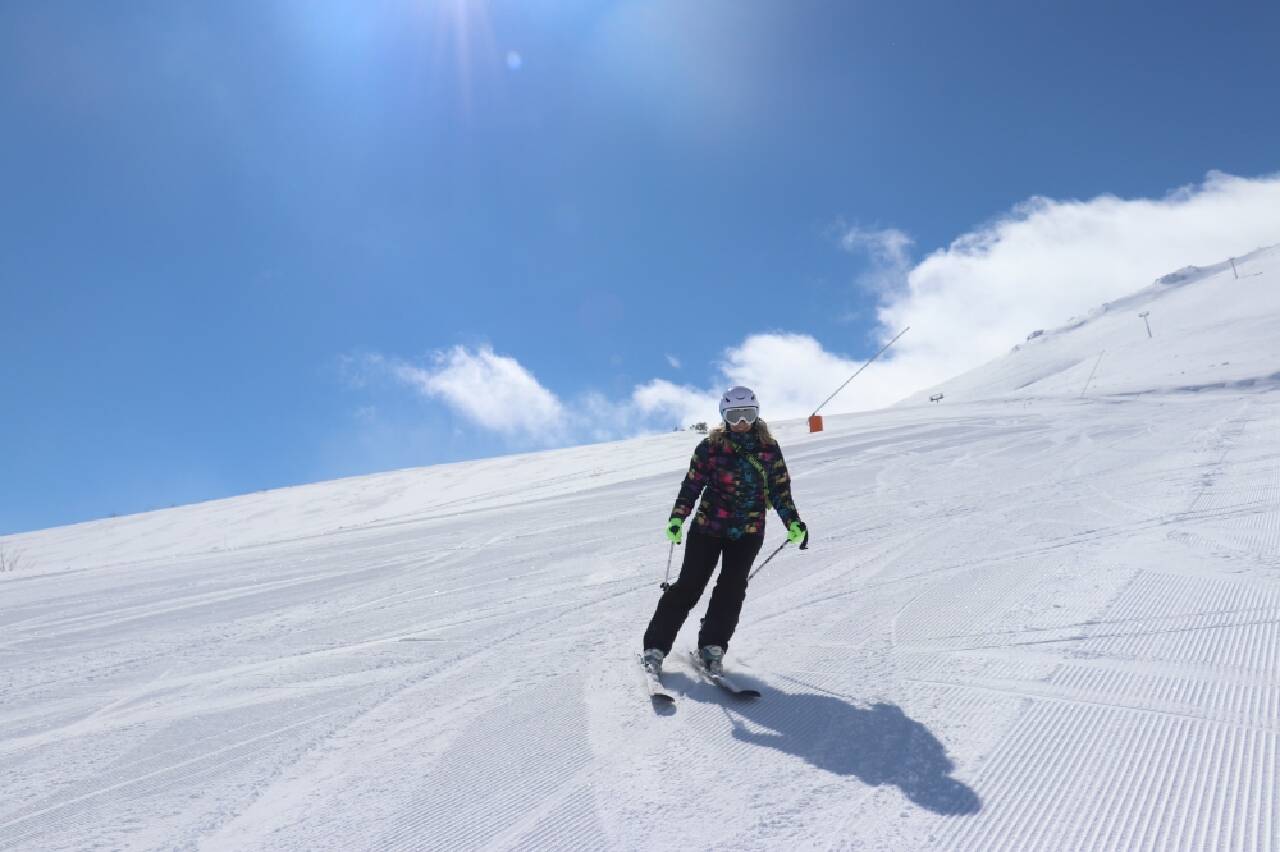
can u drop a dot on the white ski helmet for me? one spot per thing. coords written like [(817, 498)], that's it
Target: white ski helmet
[(738, 397)]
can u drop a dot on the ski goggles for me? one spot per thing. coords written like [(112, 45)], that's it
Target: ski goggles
[(737, 415)]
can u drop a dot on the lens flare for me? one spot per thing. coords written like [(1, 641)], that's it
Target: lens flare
[(463, 29)]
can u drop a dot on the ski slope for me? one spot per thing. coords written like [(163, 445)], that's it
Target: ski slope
[(1034, 616)]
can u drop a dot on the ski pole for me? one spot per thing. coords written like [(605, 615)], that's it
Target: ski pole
[(666, 584), (766, 562)]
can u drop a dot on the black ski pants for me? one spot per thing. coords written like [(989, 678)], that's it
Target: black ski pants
[(700, 556)]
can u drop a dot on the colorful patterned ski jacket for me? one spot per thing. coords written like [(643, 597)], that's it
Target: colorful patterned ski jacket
[(738, 478)]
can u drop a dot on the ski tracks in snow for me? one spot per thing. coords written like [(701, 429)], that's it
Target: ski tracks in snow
[(1046, 625)]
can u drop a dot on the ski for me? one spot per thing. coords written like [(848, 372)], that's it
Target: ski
[(657, 691), (721, 680)]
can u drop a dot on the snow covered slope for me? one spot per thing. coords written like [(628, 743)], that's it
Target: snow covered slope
[(1209, 329), (1029, 620)]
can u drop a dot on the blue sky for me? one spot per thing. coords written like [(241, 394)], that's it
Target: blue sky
[(252, 244)]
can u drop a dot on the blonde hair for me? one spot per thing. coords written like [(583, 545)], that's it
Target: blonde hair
[(719, 434)]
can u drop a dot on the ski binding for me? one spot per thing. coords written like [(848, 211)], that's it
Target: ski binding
[(722, 680)]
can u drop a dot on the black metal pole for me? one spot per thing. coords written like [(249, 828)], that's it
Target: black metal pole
[(860, 369), (767, 561)]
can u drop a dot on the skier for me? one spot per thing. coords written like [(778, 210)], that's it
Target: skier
[(740, 466)]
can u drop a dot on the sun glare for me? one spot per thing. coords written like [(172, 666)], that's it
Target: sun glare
[(464, 33)]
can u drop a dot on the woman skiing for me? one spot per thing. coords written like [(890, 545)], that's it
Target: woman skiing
[(738, 470)]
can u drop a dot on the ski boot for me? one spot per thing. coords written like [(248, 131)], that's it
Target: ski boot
[(712, 658), (652, 661)]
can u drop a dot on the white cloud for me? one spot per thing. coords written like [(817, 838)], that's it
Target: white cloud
[(1041, 264), (790, 373), (597, 418), (490, 390), (1047, 261), (673, 361), (889, 251), (1036, 267), (679, 405), (888, 245)]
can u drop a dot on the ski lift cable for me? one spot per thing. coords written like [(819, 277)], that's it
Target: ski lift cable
[(860, 369)]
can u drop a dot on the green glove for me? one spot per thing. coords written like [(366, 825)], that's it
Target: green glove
[(798, 532), (675, 530)]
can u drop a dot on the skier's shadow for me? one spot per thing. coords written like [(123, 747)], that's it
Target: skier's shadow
[(877, 745)]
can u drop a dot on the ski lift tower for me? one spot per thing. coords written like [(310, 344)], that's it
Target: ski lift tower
[(1144, 316)]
